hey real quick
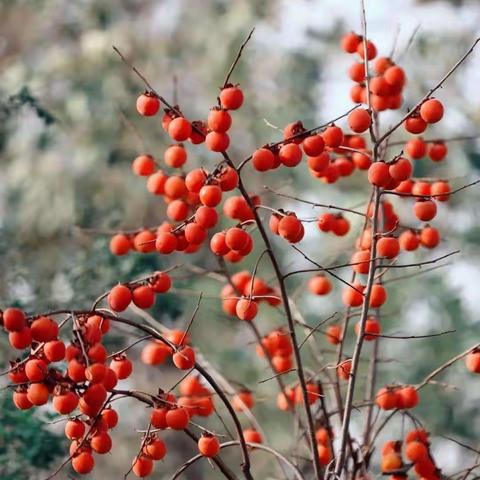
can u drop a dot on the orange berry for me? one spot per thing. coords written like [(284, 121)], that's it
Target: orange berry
[(142, 466), (416, 148), (324, 454), (290, 155), (388, 247), (333, 136), (155, 449), (101, 443), (231, 98), (408, 397), (143, 166), (14, 320), (219, 120), (325, 222), (350, 41), (441, 191), (155, 353), (263, 159), (408, 240), (20, 399), (344, 368), (119, 298), (217, 142), (395, 76), (83, 463), (210, 195), (179, 129), (334, 334), (352, 297), (319, 285), (415, 124), (401, 170), (208, 446), (429, 237), (437, 151), (175, 156), (386, 398), (425, 210), (120, 244), (340, 226), (252, 436), (243, 400), (378, 174), (472, 361), (184, 358), (359, 120), (37, 394), (313, 145), (372, 329), (148, 104), (74, 429), (246, 309), (391, 462), (431, 110), (416, 451), (371, 50), (378, 295), (177, 418), (357, 72)]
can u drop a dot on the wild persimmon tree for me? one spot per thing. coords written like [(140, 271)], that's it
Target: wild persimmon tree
[(63, 358)]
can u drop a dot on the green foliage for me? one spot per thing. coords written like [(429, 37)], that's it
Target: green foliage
[(26, 443)]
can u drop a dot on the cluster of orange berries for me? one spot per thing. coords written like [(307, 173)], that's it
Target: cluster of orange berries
[(85, 383), (417, 148), (392, 397), (386, 85), (90, 376), (323, 437), (142, 294), (316, 146), (191, 198), (241, 297), (277, 346), (337, 224), (334, 333), (235, 240), (440, 189), (213, 133), (292, 396), (417, 451), (287, 226)]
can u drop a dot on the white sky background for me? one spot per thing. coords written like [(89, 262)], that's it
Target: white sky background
[(384, 17)]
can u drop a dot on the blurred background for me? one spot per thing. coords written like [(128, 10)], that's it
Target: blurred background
[(69, 131)]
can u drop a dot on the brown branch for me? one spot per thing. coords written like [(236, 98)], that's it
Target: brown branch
[(409, 337), (258, 446), (443, 367), (315, 328), (327, 270), (237, 58), (314, 204), (426, 197), (467, 447), (461, 138)]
